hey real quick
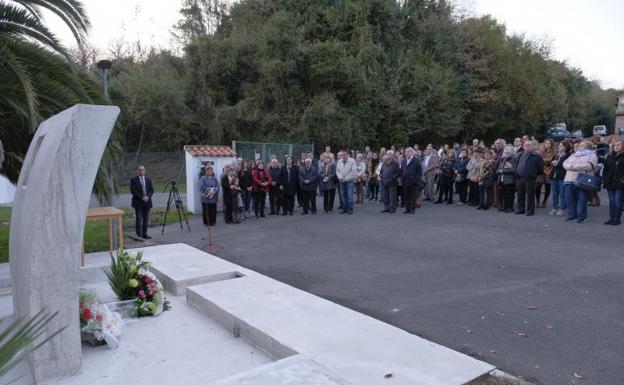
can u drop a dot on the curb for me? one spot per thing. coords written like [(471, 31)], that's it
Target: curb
[(509, 378)]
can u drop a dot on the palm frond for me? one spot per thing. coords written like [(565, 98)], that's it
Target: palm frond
[(20, 24), (22, 337), (12, 67), (71, 12)]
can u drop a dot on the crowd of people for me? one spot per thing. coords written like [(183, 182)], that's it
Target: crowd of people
[(513, 178)]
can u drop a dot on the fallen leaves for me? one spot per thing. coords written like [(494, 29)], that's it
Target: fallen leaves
[(532, 307), (578, 376)]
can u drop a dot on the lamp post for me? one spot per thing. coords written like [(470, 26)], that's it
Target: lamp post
[(104, 66)]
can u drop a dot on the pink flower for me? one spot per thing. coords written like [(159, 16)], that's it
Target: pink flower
[(141, 294)]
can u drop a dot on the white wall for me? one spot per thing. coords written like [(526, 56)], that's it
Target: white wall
[(193, 166), (7, 190)]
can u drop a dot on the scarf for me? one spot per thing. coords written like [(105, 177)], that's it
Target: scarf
[(579, 154)]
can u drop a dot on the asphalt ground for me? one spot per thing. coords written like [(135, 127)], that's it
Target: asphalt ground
[(538, 297)]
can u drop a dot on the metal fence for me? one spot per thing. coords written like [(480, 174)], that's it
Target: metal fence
[(264, 151)]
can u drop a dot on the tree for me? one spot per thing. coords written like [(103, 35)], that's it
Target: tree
[(37, 78)]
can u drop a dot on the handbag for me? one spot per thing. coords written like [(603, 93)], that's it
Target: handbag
[(587, 182), (460, 178)]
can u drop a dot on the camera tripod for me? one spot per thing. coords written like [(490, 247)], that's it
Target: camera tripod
[(174, 198)]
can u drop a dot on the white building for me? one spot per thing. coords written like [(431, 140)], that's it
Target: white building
[(217, 156), (7, 190)]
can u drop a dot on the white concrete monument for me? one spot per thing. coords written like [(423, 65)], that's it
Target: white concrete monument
[(47, 225)]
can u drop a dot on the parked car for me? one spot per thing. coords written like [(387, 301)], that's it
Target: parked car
[(557, 132), (600, 130), (578, 134)]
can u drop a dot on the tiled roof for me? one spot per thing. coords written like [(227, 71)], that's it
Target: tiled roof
[(214, 151)]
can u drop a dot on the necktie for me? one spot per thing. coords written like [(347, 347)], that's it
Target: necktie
[(143, 185)]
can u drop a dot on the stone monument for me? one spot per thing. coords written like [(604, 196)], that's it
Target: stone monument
[(47, 225)]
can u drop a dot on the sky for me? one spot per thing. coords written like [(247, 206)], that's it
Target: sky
[(584, 33)]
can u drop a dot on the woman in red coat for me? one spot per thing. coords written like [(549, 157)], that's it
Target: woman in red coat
[(261, 184)]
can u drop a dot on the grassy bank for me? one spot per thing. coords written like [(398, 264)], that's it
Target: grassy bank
[(95, 234)]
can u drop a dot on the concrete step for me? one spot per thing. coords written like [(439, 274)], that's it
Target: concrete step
[(283, 320)]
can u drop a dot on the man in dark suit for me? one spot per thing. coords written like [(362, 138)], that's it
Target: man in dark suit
[(390, 173), (528, 166), (142, 190), (411, 171), (289, 183)]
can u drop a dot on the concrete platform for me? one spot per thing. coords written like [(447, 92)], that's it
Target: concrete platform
[(315, 341), (179, 266), (290, 371)]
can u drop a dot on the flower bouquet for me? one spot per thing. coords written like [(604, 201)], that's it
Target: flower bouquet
[(98, 325), (130, 279)]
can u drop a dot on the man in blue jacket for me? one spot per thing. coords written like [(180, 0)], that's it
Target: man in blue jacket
[(309, 179), (411, 171)]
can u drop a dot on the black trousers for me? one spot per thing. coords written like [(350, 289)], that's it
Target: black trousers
[(390, 197), (485, 196), (525, 187), (141, 215), (374, 189), (473, 195), (289, 203), (462, 190), (328, 199), (508, 192), (275, 199), (446, 189), (259, 202), (209, 213), (309, 201), (410, 194)]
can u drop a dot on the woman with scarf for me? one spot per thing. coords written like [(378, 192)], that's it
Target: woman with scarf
[(246, 185), (614, 181), (461, 176), (261, 184), (209, 189), (547, 151), (507, 179), (446, 178), (473, 168), (556, 179), (584, 161)]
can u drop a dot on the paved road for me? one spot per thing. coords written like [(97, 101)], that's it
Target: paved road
[(535, 296)]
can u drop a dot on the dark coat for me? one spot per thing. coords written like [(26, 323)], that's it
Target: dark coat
[(460, 166), (311, 175), (290, 184), (137, 192), (244, 179), (534, 165), (276, 177), (390, 173), (331, 177), (558, 171), (225, 187), (411, 173), (613, 174)]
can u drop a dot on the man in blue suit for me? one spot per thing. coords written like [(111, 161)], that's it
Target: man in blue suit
[(142, 191), (411, 171)]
